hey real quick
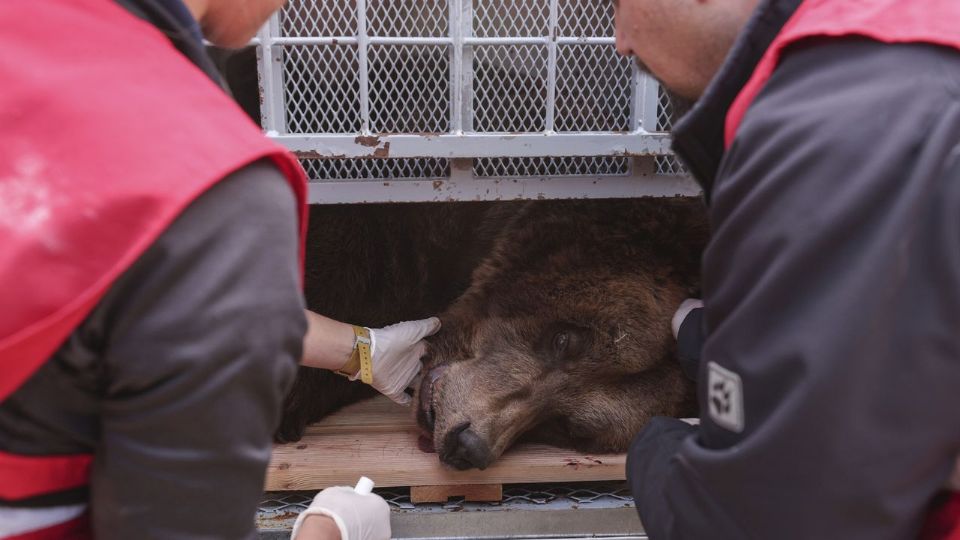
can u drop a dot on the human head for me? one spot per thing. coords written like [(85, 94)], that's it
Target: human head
[(232, 23), (681, 42)]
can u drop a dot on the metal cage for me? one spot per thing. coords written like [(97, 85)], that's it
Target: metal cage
[(430, 100)]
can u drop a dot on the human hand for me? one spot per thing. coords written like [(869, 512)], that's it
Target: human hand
[(396, 351), (358, 516)]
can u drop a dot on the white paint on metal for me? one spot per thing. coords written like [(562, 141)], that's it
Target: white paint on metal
[(485, 189), (475, 145)]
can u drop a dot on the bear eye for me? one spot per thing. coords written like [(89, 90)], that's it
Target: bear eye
[(560, 341)]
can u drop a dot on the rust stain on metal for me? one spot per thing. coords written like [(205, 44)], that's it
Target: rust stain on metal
[(382, 151), (437, 185), (313, 154), (367, 140)]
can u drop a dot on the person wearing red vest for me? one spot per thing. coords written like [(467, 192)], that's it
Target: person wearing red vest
[(152, 315), (826, 137)]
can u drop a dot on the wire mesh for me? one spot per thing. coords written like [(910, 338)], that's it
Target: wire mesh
[(510, 88), (593, 89), (324, 170), (407, 18), (551, 166), (585, 18), (511, 18), (322, 88), (581, 494), (318, 18), (409, 88), (666, 115)]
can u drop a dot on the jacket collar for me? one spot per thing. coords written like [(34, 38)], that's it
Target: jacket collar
[(698, 136)]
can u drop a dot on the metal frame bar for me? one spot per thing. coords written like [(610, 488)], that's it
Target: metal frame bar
[(273, 109), (486, 189), (474, 145), (362, 62)]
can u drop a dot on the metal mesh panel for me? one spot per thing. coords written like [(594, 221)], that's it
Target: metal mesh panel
[(409, 88), (511, 18), (407, 18), (315, 18), (510, 91), (551, 166), (322, 89), (319, 170), (585, 18), (581, 493), (666, 114), (593, 89)]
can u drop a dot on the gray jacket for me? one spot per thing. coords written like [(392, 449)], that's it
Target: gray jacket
[(829, 374)]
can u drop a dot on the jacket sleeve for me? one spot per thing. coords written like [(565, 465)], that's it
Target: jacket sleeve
[(829, 376), (201, 338)]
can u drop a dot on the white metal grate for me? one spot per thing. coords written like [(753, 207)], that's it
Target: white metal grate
[(404, 97), (668, 165), (551, 167), (510, 88), (593, 89), (408, 18), (322, 89), (319, 170), (526, 89)]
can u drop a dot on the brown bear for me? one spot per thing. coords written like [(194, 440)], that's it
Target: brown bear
[(556, 315)]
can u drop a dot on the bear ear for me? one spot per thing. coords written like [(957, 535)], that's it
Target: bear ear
[(563, 342)]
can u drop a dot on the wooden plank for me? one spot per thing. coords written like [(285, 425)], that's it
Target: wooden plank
[(469, 492), (379, 439)]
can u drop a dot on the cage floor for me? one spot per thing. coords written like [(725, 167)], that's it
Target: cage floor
[(535, 511), (378, 439)]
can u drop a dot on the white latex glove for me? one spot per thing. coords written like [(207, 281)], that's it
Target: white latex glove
[(358, 516), (396, 352), (685, 308)]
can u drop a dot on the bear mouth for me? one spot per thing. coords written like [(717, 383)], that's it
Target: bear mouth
[(426, 408)]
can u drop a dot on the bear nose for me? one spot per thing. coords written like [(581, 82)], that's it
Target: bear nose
[(464, 449)]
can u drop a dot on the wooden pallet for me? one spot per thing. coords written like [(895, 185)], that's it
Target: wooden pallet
[(378, 439)]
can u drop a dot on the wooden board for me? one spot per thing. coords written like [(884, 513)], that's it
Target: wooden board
[(378, 439), (469, 492)]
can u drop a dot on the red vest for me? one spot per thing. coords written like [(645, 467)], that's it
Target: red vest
[(889, 21), (106, 135)]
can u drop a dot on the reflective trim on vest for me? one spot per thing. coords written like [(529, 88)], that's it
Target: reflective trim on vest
[(75, 529), (20, 521), (22, 477), (887, 21)]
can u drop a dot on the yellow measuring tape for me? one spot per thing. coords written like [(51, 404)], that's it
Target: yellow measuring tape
[(361, 359), (361, 348)]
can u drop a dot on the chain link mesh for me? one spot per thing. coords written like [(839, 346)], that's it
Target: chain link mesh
[(409, 89), (324, 170), (551, 166), (407, 18), (510, 88), (290, 503), (322, 88), (585, 18), (318, 18), (593, 89), (511, 18), (666, 115)]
